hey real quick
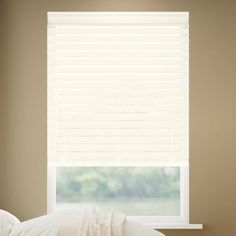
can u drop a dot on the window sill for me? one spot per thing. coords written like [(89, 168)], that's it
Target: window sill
[(174, 226)]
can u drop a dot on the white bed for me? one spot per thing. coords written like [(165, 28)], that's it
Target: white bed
[(134, 229), (82, 222)]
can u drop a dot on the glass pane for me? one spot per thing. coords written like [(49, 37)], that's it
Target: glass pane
[(132, 190)]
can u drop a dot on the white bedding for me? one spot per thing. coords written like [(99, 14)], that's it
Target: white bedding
[(83, 222), (135, 229), (7, 222)]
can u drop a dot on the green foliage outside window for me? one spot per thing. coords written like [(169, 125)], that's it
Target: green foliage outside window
[(88, 183)]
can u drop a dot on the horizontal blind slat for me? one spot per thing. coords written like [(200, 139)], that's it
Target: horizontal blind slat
[(120, 46), (119, 61), (93, 132), (119, 30), (129, 52)]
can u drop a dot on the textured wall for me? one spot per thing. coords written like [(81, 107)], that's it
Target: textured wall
[(212, 105)]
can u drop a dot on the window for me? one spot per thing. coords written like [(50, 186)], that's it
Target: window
[(134, 190), (118, 113)]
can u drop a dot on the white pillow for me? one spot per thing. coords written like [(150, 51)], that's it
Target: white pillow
[(7, 222)]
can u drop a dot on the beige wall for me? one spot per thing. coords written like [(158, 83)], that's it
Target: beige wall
[(212, 105)]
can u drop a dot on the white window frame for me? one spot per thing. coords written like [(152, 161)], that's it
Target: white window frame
[(182, 219), (159, 222)]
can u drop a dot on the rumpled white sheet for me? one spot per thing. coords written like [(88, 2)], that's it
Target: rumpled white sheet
[(83, 222), (7, 222)]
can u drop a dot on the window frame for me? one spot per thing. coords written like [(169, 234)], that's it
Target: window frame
[(149, 220), (183, 218)]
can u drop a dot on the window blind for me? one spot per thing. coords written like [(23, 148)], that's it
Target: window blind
[(118, 88)]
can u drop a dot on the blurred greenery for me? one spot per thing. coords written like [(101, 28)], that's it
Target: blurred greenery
[(128, 188)]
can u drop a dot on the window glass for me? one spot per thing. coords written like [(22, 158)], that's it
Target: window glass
[(132, 190)]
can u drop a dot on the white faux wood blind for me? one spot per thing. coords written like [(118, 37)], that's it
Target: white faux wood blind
[(118, 88)]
